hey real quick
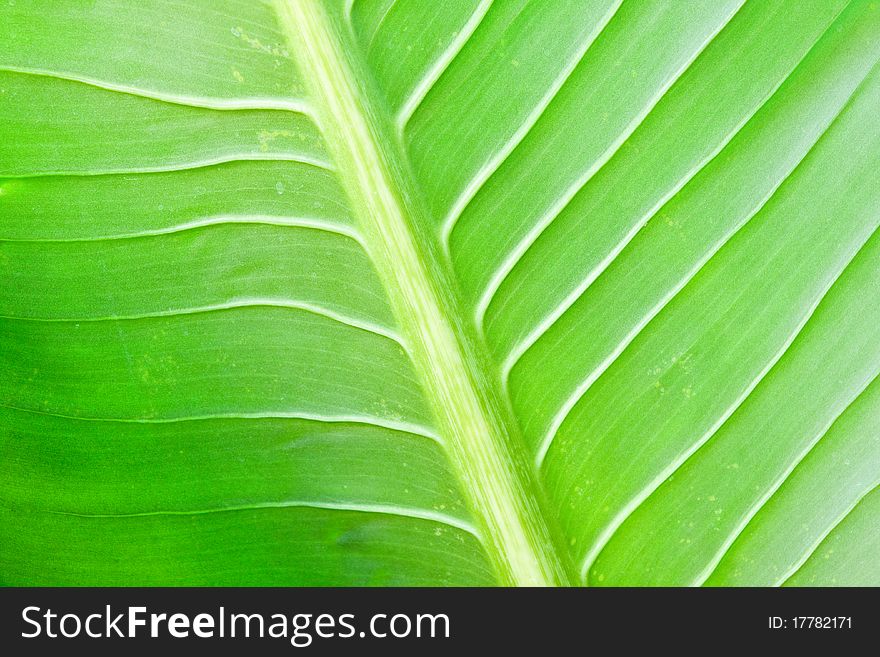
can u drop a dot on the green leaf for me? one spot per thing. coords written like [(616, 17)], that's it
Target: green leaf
[(389, 292)]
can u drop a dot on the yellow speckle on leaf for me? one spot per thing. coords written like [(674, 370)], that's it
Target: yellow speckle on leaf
[(256, 44), (266, 137)]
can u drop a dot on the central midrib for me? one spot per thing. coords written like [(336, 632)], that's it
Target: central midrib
[(484, 445)]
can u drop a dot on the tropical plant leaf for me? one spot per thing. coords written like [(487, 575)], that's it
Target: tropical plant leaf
[(460, 293)]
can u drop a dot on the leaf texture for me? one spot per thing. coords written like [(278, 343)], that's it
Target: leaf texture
[(388, 292)]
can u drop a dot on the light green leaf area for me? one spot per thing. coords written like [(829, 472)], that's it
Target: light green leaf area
[(475, 292)]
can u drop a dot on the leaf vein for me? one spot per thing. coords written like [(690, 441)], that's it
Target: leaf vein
[(371, 421), (493, 164), (270, 104), (381, 509), (442, 63)]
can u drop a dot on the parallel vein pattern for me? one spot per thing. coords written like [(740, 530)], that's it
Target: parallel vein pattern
[(645, 244), (470, 292), (190, 325)]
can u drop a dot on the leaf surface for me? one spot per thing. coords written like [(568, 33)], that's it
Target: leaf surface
[(388, 292)]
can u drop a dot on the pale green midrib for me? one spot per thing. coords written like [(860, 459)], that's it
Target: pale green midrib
[(485, 449)]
